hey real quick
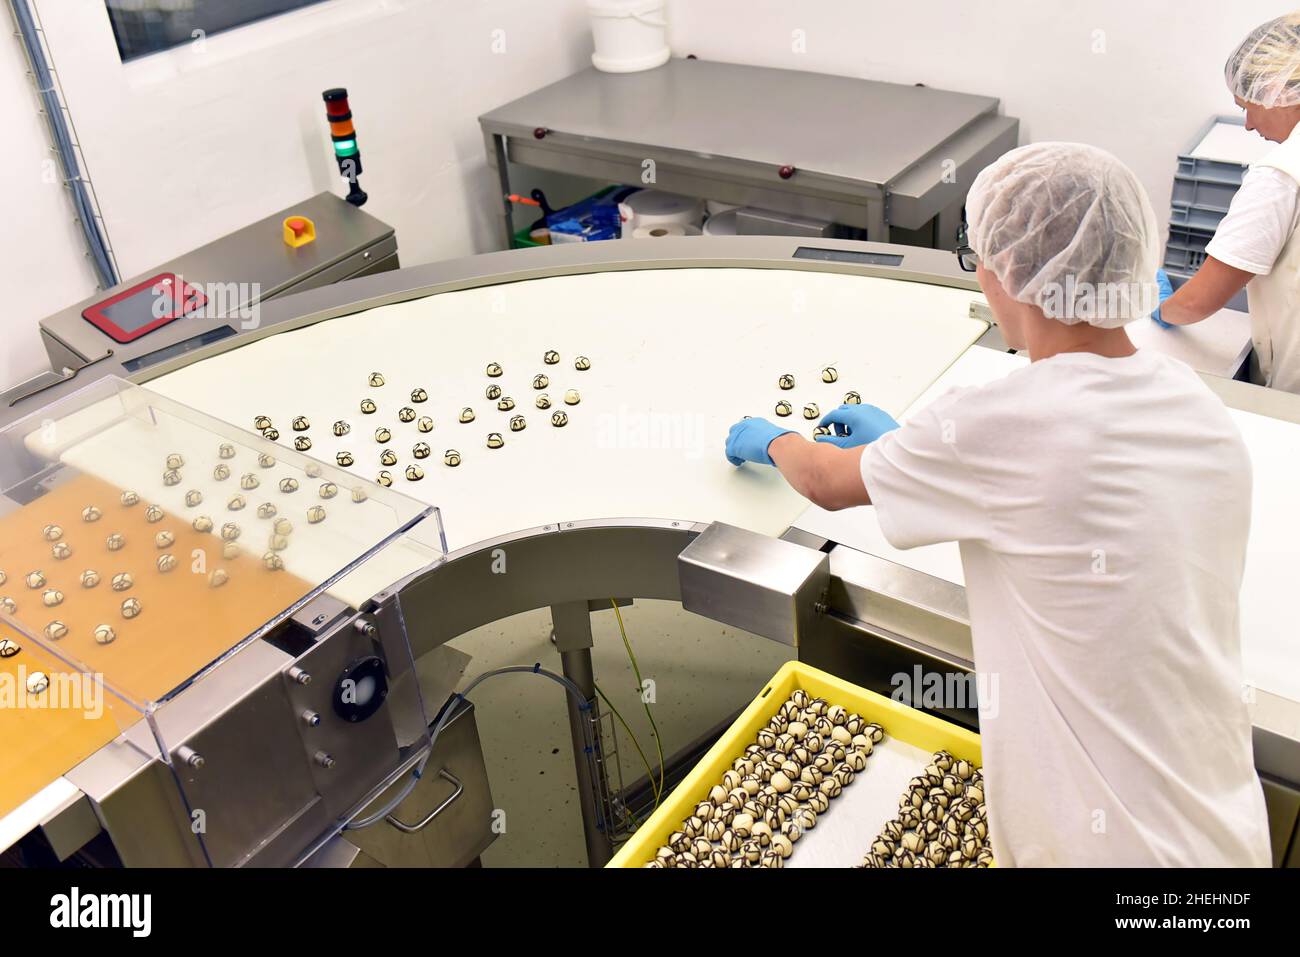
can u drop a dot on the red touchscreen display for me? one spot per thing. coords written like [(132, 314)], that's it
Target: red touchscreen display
[(144, 307)]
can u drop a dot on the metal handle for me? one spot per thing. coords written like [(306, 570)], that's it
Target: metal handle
[(413, 828)]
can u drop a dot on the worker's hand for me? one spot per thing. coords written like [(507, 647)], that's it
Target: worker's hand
[(854, 425), (1166, 290), (748, 441)]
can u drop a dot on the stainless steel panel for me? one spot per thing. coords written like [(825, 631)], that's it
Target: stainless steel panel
[(458, 833), (1283, 803), (902, 601), (70, 825), (806, 539), (828, 127), (554, 564), (377, 264), (762, 585), (881, 662), (337, 853), (362, 753), (254, 254), (246, 733), (841, 149), (1276, 722), (138, 803), (250, 262), (727, 180), (751, 221), (37, 383), (358, 263), (943, 177)]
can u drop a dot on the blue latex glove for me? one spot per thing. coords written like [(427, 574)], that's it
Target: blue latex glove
[(854, 425), (748, 441), (1166, 290)]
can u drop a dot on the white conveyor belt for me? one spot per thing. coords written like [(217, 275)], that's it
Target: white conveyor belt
[(1271, 657), (677, 356)]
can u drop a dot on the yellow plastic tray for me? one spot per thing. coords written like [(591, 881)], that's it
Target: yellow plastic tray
[(899, 721)]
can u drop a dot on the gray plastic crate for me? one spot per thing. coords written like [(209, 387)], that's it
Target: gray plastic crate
[(1196, 217), (1207, 170), (1186, 247), (1205, 194)]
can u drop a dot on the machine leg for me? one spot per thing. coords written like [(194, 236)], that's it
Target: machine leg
[(503, 177), (877, 227), (572, 623)]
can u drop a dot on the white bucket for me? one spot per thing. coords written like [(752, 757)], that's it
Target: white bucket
[(653, 207), (630, 35), (665, 231)]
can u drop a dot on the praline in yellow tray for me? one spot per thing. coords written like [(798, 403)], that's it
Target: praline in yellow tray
[(899, 721)]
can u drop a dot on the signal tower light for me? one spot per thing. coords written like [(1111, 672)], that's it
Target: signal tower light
[(344, 137)]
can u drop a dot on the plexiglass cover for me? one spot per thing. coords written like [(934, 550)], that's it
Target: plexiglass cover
[(143, 543)]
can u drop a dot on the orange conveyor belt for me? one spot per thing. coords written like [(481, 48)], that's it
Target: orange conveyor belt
[(184, 624)]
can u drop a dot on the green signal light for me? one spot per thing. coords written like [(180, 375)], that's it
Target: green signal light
[(345, 148)]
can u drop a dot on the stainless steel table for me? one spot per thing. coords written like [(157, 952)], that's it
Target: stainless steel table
[(892, 159)]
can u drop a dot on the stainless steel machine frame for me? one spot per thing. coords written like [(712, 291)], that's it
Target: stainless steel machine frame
[(251, 265), (865, 619)]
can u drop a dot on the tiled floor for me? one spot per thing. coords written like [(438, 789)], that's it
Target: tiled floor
[(702, 674)]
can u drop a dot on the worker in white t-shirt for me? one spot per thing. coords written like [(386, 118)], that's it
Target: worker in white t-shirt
[(1256, 244), (1101, 498)]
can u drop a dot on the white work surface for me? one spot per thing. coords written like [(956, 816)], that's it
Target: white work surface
[(1218, 345), (1271, 654), (1232, 143), (677, 356)]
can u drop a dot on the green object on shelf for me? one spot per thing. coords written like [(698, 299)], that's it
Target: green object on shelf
[(522, 240)]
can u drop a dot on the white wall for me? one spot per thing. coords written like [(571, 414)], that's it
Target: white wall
[(42, 261), (1136, 77), (187, 145)]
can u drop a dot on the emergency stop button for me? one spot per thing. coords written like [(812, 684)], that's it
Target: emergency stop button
[(299, 231)]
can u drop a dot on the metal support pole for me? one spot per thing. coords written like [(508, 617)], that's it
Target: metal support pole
[(877, 223), (572, 623), (503, 177)]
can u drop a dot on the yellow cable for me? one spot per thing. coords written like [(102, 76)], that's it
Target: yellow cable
[(640, 686), (649, 773)]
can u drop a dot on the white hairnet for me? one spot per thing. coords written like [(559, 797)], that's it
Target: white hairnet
[(1265, 67), (1067, 228)]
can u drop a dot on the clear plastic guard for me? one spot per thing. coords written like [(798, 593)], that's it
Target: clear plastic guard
[(143, 544)]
